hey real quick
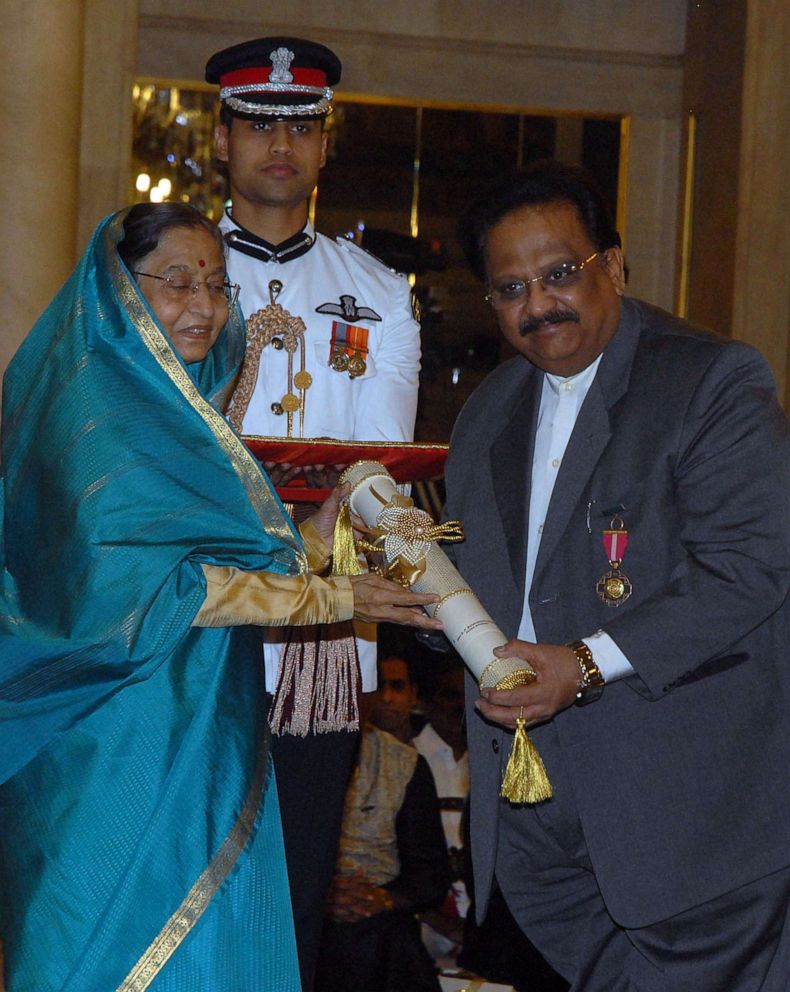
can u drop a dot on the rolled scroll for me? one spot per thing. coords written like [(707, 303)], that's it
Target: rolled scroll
[(407, 538)]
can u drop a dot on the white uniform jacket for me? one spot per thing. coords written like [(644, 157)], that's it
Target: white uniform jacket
[(381, 404), (350, 287)]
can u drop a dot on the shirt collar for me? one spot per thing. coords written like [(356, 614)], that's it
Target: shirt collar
[(581, 380), (250, 244)]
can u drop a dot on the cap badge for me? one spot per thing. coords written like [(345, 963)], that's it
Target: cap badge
[(281, 63)]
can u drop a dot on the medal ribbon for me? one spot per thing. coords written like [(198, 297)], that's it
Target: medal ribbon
[(349, 338), (615, 542)]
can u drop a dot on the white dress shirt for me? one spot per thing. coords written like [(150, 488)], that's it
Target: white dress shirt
[(451, 778), (560, 402)]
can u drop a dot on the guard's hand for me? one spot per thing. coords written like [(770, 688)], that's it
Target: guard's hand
[(554, 689), (378, 600), (281, 473), (322, 476)]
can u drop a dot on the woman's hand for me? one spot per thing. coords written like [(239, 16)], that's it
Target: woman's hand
[(377, 600)]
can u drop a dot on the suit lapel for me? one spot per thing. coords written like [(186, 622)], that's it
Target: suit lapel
[(591, 432), (589, 438), (511, 470)]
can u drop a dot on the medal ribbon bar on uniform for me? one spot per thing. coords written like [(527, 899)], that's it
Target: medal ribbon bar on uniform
[(349, 338), (348, 349)]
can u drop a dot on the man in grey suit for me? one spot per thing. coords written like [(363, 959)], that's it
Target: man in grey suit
[(623, 484)]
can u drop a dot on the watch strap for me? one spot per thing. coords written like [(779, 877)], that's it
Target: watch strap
[(590, 683)]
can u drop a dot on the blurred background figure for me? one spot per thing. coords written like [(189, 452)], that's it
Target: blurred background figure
[(392, 863), (392, 706), (442, 743)]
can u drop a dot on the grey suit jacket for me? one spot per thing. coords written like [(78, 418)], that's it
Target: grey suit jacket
[(680, 771)]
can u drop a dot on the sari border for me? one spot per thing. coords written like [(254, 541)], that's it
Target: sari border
[(261, 496), (197, 900)]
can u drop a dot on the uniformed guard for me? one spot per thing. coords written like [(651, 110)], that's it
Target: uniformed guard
[(357, 359), (333, 351)]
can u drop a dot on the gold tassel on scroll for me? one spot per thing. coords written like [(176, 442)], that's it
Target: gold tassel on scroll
[(526, 780), (344, 552)]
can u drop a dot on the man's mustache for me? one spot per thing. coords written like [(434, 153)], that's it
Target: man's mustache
[(552, 317)]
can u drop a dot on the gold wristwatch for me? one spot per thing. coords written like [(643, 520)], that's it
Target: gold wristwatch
[(590, 683)]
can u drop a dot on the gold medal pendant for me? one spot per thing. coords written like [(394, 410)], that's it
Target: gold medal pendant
[(348, 348), (614, 587), (357, 366), (338, 361)]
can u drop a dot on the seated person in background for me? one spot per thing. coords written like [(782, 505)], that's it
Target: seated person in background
[(393, 862), (441, 742), (393, 702)]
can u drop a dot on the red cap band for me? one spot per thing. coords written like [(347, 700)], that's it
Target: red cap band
[(248, 77)]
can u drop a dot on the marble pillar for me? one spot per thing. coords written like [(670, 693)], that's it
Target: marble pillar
[(41, 57)]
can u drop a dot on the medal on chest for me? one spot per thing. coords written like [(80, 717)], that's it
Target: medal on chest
[(273, 325), (348, 349), (614, 587)]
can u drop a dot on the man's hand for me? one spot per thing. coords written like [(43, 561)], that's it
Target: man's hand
[(317, 476), (378, 600), (281, 473), (322, 476), (554, 689), (352, 898)]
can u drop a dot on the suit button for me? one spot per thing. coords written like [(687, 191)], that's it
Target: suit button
[(277, 408), (495, 746)]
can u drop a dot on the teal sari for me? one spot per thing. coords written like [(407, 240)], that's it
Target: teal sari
[(140, 839)]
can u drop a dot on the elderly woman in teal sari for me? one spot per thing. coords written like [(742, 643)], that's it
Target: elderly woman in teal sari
[(142, 548)]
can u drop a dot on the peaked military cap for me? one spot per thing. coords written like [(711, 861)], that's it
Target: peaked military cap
[(275, 77)]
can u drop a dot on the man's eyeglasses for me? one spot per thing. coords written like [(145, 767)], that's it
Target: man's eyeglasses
[(513, 292), (179, 287)]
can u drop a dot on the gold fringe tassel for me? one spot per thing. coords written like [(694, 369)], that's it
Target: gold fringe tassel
[(344, 552), (526, 780)]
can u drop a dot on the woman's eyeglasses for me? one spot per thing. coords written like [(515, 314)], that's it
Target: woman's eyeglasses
[(179, 287)]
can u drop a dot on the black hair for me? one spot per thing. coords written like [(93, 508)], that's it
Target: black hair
[(145, 223), (542, 182), (398, 656)]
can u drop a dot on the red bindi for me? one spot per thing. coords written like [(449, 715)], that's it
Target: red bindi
[(201, 263)]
